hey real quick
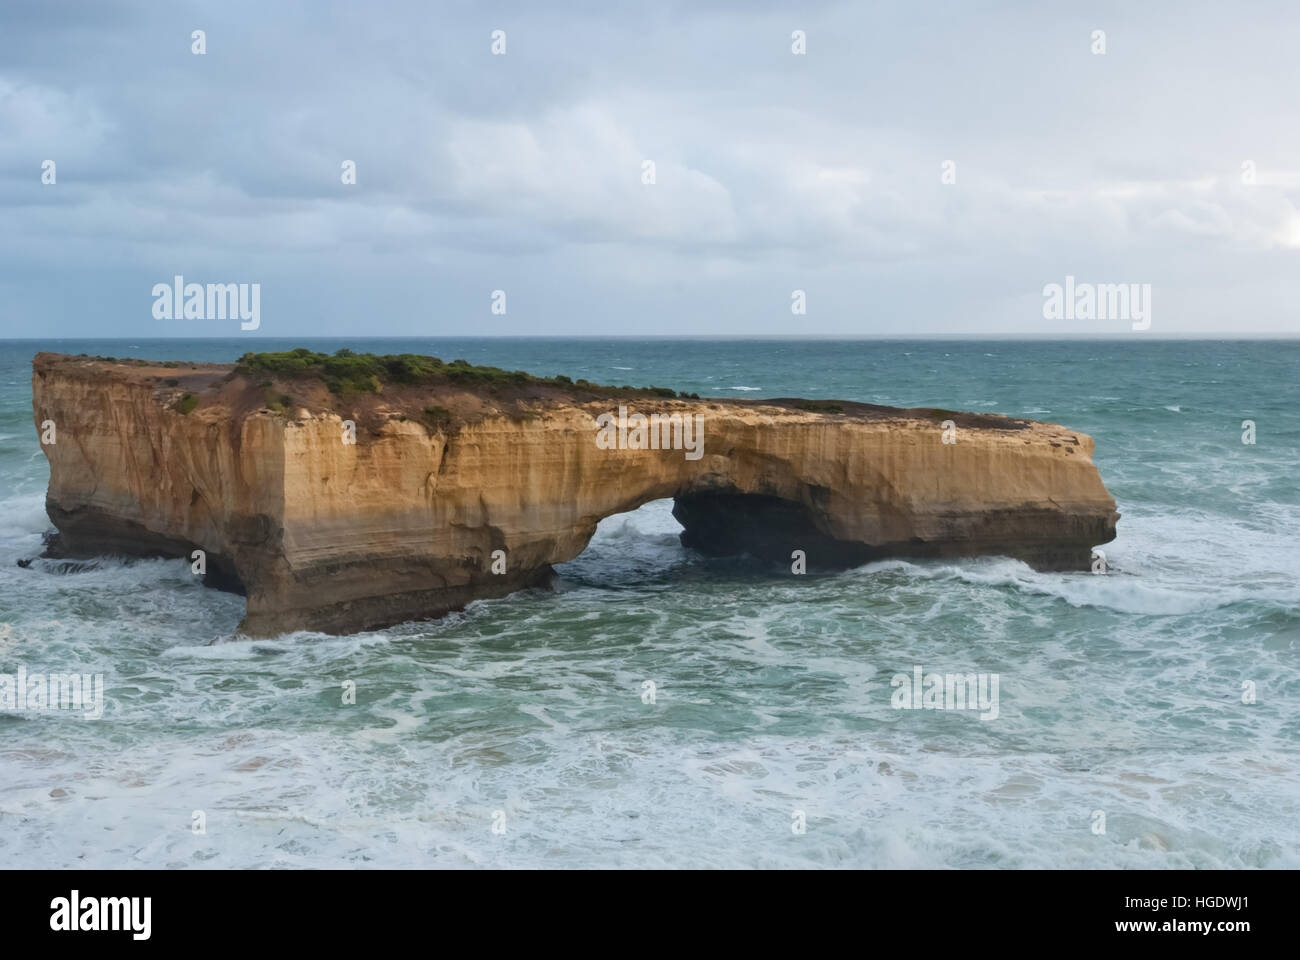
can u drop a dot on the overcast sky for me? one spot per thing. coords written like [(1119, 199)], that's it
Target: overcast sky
[(773, 171)]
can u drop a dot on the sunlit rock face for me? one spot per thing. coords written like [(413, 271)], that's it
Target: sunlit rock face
[(426, 511)]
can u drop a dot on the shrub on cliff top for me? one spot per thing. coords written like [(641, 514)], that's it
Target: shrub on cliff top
[(347, 372), (279, 404)]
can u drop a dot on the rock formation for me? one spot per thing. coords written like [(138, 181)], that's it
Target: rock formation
[(448, 468)]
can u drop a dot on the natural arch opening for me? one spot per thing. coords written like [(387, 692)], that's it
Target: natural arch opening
[(629, 548), (654, 537), (724, 524)]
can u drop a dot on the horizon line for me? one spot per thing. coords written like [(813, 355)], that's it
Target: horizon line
[(1047, 338)]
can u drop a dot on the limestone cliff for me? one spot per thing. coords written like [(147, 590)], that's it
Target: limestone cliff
[(324, 534)]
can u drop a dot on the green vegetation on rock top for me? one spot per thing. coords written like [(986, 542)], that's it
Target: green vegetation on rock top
[(347, 372)]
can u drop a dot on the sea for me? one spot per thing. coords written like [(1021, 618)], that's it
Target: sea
[(663, 709)]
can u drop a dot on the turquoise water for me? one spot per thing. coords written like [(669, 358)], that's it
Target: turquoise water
[(1119, 693)]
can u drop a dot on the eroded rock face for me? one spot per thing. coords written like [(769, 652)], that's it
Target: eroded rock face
[(402, 524)]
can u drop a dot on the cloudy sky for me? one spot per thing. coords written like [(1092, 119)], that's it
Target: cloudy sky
[(774, 172)]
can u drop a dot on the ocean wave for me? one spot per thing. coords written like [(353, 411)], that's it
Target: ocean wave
[(23, 515), (1116, 590), (772, 691)]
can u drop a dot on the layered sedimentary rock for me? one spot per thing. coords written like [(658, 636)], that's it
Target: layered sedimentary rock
[(405, 522)]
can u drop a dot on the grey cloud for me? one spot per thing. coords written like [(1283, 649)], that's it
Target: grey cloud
[(523, 172)]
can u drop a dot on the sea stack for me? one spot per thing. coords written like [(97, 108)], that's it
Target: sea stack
[(348, 493)]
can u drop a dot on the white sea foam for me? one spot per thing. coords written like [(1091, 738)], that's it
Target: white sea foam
[(23, 515), (557, 740), (1119, 692)]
